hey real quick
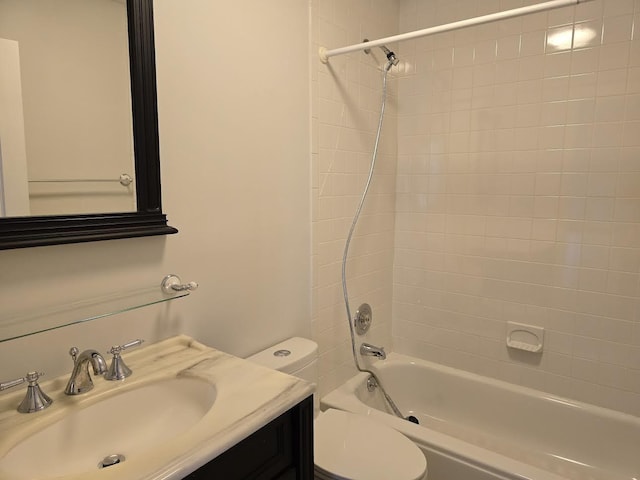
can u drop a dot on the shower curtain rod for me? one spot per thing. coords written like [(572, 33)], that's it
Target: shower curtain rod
[(492, 17)]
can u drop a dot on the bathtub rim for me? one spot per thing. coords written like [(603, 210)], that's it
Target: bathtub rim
[(344, 397), (498, 465), (399, 358)]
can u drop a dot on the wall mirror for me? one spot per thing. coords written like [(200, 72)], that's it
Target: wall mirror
[(79, 150)]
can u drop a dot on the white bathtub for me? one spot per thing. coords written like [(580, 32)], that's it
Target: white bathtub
[(476, 428)]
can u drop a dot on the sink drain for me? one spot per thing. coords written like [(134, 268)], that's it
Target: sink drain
[(111, 460)]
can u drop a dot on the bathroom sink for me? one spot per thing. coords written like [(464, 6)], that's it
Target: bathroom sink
[(111, 430), (185, 404)]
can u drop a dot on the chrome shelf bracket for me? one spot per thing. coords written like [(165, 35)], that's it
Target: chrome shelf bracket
[(172, 283)]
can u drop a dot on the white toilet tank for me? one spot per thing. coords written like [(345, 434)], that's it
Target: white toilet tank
[(296, 356)]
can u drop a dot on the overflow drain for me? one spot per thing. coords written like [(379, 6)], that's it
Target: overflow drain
[(111, 460)]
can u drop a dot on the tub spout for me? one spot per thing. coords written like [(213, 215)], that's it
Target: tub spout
[(372, 351)]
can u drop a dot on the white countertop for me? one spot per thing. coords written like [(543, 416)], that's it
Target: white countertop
[(248, 396)]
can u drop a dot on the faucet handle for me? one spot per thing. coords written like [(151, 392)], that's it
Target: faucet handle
[(117, 349), (118, 370), (35, 399), (12, 383)]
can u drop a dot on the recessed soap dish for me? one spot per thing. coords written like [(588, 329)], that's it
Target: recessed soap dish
[(525, 337)]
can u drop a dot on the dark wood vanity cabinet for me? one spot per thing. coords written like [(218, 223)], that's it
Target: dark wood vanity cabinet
[(281, 450)]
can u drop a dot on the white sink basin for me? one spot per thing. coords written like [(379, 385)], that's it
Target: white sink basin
[(185, 404), (127, 423)]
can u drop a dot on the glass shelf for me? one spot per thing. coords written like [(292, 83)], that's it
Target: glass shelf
[(51, 318)]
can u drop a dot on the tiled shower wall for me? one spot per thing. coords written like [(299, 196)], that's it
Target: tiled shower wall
[(518, 195), (346, 96)]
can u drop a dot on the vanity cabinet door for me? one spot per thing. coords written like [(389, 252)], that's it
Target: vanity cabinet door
[(281, 450)]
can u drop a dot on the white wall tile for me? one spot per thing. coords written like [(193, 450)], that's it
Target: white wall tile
[(617, 29), (519, 161), (541, 200), (348, 104), (612, 82)]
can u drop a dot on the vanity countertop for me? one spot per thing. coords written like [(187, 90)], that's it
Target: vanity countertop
[(248, 396)]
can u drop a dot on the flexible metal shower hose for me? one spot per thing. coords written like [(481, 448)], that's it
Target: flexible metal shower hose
[(391, 403)]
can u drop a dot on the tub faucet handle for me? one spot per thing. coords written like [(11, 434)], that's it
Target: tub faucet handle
[(118, 370), (35, 399)]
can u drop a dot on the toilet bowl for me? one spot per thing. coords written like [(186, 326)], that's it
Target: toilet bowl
[(347, 446)]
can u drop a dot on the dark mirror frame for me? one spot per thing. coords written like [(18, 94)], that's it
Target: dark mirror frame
[(21, 232)]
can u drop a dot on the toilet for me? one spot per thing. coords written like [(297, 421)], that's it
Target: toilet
[(347, 446)]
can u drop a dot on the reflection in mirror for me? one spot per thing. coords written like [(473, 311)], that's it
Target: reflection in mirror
[(148, 218), (65, 108)]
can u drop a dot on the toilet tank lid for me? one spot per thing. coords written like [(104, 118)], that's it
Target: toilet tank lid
[(301, 352)]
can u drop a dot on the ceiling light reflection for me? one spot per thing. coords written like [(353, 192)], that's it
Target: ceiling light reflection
[(570, 37)]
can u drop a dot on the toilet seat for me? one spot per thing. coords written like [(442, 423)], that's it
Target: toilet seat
[(348, 446)]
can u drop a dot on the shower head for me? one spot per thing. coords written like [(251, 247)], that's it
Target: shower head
[(390, 55)]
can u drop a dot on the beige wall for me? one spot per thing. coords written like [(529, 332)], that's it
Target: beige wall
[(518, 195), (234, 129)]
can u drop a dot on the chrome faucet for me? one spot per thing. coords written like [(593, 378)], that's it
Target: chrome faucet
[(80, 381), (372, 351)]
